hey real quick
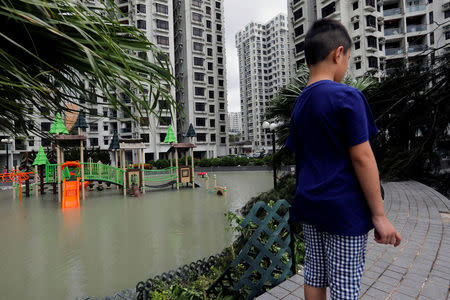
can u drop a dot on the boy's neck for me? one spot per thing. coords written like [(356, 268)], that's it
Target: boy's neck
[(321, 72)]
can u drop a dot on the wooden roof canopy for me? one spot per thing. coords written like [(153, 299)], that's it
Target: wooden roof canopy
[(180, 146), (129, 144)]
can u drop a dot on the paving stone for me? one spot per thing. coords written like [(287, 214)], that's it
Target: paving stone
[(291, 297), (435, 292), (297, 279), (289, 285), (385, 287), (408, 290), (400, 296), (279, 292), (267, 296), (376, 293), (300, 292)]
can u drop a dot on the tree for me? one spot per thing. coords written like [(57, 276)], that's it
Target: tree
[(412, 109), (57, 52)]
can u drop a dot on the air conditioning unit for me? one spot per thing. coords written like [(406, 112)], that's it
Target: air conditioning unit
[(357, 59), (355, 19), (356, 38), (446, 6)]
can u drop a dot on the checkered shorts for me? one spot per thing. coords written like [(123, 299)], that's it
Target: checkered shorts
[(336, 261)]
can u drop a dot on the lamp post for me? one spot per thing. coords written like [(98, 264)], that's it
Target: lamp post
[(7, 141), (271, 127)]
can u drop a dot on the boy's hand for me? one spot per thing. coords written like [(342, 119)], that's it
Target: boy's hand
[(385, 233)]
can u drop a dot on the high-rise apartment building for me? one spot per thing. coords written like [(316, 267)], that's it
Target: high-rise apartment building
[(235, 122), (384, 33), (190, 35), (263, 51), (200, 66)]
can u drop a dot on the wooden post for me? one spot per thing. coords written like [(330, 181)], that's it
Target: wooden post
[(58, 163), (36, 181), (122, 162), (41, 179), (116, 157), (215, 181), (192, 165), (176, 169), (171, 164), (62, 155), (83, 193), (186, 160)]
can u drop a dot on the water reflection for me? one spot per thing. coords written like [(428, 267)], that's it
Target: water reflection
[(110, 242)]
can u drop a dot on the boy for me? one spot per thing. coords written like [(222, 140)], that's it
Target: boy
[(337, 196)]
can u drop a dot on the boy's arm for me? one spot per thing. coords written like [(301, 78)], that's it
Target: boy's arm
[(366, 170)]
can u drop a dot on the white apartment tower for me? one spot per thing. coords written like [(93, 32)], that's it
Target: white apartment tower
[(200, 66), (363, 20), (263, 51), (235, 122), (384, 33)]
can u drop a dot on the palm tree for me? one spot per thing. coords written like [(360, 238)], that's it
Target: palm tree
[(57, 52), (281, 106)]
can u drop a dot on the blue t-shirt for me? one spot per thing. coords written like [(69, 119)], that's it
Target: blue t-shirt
[(328, 118)]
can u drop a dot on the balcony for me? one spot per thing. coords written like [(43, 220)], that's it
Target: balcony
[(391, 12), (394, 51), (392, 31), (417, 48), (415, 8), (416, 28)]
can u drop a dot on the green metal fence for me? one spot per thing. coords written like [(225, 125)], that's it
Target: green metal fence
[(96, 171), (160, 175)]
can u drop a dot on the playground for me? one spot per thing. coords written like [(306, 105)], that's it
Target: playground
[(70, 179)]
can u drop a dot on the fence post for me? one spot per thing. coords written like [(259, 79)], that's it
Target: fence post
[(292, 246)]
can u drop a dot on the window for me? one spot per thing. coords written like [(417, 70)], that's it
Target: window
[(220, 71), (218, 27), (212, 108), (218, 16), (210, 80), (221, 82), (221, 105), (329, 9), (197, 17), (208, 24), (211, 95), (199, 76), (201, 137), (213, 137), (355, 5), (356, 26), (93, 141), (199, 91), (447, 35), (141, 8), (373, 62), (430, 17), (162, 40), (162, 137), (299, 47), (219, 38), (358, 65), (380, 47), (219, 49), (221, 94), (45, 126), (217, 4), (223, 140), (220, 60), (197, 3), (431, 38), (200, 106), (298, 14), (370, 3), (210, 66), (357, 45), (200, 122), (141, 24), (212, 123), (145, 137), (208, 10), (165, 121), (209, 38), (163, 104), (372, 41), (222, 128), (222, 117), (447, 14), (197, 31), (210, 52), (198, 61), (162, 24), (161, 8), (371, 21), (198, 46), (299, 30)]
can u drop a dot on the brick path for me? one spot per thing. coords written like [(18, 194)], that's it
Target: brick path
[(419, 268)]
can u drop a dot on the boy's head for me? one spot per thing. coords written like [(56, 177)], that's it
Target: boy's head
[(328, 41)]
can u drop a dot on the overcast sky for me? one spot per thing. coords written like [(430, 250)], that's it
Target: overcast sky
[(239, 13)]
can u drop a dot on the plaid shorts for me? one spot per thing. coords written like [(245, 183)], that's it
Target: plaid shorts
[(336, 261)]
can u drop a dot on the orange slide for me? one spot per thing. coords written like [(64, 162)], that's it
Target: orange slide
[(71, 194)]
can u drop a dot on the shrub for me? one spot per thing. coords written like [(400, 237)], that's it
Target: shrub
[(227, 161), (242, 161), (162, 164), (258, 162), (215, 162), (267, 160), (205, 162)]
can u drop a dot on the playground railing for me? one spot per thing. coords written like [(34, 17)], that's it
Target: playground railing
[(160, 175), (51, 173), (96, 171)]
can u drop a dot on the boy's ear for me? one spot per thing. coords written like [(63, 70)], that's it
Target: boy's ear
[(337, 54)]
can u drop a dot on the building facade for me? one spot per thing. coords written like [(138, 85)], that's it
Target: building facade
[(200, 66), (264, 68), (384, 33), (235, 122), (186, 32)]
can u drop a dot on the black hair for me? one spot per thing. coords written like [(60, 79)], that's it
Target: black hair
[(324, 36)]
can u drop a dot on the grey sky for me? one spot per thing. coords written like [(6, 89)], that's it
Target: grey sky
[(239, 13)]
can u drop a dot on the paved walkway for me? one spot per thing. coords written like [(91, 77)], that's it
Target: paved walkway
[(419, 268)]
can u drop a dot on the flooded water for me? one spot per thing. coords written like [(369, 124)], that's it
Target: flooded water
[(112, 242)]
